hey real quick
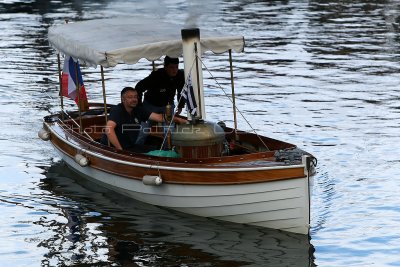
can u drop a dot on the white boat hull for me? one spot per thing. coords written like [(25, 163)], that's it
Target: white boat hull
[(282, 204)]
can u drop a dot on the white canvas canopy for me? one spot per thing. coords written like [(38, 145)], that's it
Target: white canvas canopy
[(108, 42)]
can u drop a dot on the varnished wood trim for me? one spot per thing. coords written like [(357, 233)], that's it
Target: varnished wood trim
[(189, 176), (181, 167)]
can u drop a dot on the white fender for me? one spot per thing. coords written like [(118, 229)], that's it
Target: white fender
[(44, 134), (152, 180), (81, 160)]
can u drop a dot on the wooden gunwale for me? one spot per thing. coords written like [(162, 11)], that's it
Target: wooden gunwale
[(85, 145), (267, 156), (273, 144), (91, 122), (253, 139), (132, 167)]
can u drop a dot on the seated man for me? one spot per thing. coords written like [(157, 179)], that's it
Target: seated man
[(159, 89), (123, 125)]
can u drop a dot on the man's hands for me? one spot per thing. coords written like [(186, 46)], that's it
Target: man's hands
[(180, 120)]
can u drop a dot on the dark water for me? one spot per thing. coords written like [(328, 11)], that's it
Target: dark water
[(320, 74)]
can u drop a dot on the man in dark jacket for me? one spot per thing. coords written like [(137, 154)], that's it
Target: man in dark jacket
[(161, 86), (123, 125), (159, 89)]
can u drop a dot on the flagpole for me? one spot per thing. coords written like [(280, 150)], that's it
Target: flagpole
[(104, 92), (60, 83), (78, 89), (198, 81), (103, 84), (233, 93)]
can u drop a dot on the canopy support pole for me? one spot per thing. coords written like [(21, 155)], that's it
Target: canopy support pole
[(60, 83), (198, 80), (103, 84), (153, 64), (233, 94), (78, 89)]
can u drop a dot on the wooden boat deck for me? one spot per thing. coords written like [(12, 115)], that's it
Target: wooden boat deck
[(249, 149)]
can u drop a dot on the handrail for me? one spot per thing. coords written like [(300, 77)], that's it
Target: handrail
[(161, 167)]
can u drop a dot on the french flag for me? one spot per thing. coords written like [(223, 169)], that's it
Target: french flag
[(71, 71), (188, 94)]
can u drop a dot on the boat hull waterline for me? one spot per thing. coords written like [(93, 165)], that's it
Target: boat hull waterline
[(275, 196), (209, 169)]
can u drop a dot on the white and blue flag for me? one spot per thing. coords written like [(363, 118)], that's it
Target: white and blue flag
[(188, 94)]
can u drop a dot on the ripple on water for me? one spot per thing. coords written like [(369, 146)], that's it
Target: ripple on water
[(322, 76)]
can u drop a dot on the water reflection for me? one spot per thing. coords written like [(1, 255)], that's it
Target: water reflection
[(323, 75), (45, 6), (95, 225)]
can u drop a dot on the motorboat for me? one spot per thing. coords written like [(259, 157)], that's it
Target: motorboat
[(217, 171)]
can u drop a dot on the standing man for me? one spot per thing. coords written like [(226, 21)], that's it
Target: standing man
[(159, 89), (123, 125)]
